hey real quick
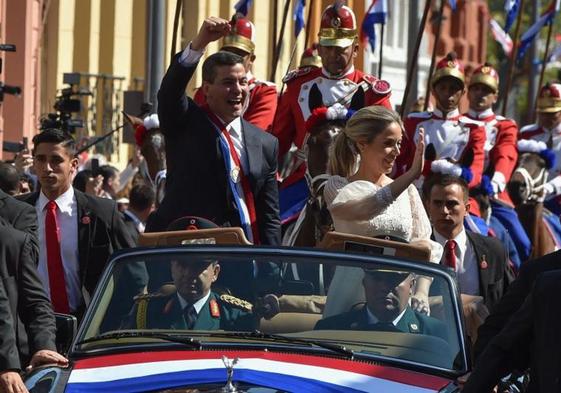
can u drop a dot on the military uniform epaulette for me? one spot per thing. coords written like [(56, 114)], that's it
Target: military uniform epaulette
[(296, 73), (236, 302), (257, 82), (147, 296), (379, 86)]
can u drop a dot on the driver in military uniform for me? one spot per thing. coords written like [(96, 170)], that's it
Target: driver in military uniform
[(387, 307), (190, 303)]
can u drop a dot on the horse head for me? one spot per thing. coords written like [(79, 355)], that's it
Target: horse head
[(151, 142), (324, 125), (530, 173)]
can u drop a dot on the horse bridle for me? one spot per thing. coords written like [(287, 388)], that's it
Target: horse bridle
[(532, 183)]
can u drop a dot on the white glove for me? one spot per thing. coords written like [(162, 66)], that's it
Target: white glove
[(498, 182)]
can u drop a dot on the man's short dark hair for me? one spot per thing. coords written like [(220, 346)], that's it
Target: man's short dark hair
[(9, 178), (218, 59), (107, 171), (437, 179), (141, 197), (56, 136), (81, 179)]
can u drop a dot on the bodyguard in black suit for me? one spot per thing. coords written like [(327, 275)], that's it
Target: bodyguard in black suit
[(480, 263), (513, 299), (532, 334), (90, 228), (19, 215), (198, 183), (29, 311)]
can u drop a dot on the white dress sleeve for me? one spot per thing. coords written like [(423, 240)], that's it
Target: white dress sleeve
[(358, 200), (422, 228)]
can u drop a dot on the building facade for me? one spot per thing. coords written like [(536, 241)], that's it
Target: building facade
[(100, 46)]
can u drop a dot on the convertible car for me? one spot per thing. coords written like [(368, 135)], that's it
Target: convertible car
[(203, 311)]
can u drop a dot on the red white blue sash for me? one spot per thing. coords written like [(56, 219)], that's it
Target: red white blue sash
[(246, 205)]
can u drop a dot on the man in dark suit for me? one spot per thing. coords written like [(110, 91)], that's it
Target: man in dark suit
[(141, 203), (532, 336), (220, 167), (19, 215), (190, 303), (480, 263), (513, 299), (27, 311), (387, 308), (87, 229)]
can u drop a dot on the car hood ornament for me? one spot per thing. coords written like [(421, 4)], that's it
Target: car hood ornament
[(229, 364)]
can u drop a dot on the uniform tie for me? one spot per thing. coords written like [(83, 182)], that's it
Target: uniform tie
[(450, 254), (57, 284), (190, 315)]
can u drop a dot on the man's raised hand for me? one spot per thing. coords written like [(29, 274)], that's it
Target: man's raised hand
[(212, 29)]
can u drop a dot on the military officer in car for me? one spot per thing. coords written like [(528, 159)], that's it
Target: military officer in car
[(190, 303), (387, 307)]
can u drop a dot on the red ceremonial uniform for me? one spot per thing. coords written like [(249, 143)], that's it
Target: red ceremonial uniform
[(501, 153), (293, 110), (549, 101), (338, 28), (261, 105), (452, 137)]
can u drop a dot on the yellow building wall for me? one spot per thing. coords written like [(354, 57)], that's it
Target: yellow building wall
[(109, 37)]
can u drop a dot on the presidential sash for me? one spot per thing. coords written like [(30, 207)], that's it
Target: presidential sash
[(234, 170)]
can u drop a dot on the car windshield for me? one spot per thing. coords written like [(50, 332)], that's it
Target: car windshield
[(359, 304)]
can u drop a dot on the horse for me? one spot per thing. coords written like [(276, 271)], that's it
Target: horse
[(314, 220), (531, 173), (151, 142)]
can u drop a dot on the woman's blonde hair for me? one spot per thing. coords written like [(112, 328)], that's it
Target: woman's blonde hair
[(365, 124)]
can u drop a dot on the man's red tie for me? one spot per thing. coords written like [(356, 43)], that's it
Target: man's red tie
[(450, 253), (59, 297)]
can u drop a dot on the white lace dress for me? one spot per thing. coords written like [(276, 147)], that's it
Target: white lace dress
[(364, 208)]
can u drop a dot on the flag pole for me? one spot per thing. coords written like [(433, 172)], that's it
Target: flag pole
[(279, 42), (381, 50), (434, 49), (306, 43), (175, 28), (544, 64), (513, 54), (414, 59)]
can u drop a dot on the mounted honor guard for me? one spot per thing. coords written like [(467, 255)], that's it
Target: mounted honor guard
[(501, 155), (449, 135), (548, 130), (337, 80), (261, 104)]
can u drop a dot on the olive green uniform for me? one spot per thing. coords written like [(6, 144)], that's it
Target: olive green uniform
[(225, 312)]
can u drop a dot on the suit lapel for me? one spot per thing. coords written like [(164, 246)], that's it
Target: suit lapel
[(254, 151), (480, 256), (85, 224)]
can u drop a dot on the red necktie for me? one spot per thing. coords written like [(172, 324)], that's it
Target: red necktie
[(450, 254), (59, 298)]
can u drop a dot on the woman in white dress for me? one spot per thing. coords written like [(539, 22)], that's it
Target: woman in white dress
[(364, 200)]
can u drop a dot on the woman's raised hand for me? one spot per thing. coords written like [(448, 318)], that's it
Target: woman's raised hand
[(419, 159)]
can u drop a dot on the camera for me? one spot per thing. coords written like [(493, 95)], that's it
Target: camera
[(8, 89), (67, 103)]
